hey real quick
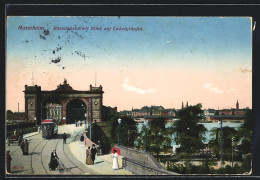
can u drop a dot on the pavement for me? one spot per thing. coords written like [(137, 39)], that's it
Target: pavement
[(103, 163), (73, 150)]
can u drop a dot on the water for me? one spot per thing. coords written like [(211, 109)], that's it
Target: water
[(208, 126)]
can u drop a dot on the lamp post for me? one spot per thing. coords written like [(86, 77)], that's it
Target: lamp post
[(85, 120), (90, 126), (221, 141), (145, 125), (128, 138), (119, 122)]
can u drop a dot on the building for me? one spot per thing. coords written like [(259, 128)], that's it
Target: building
[(209, 112), (125, 113), (64, 103), (153, 111), (108, 112)]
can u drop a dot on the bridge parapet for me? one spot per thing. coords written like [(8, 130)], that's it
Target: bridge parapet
[(141, 163)]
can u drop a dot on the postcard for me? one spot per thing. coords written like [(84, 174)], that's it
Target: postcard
[(128, 95)]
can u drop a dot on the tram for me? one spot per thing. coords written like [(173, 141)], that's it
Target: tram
[(49, 128)]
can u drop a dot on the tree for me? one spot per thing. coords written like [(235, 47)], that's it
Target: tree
[(9, 114), (215, 144), (156, 137), (189, 131), (244, 134), (128, 130)]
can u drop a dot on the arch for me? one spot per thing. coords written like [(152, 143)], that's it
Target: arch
[(65, 106)]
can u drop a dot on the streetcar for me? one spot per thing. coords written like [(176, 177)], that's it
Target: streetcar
[(49, 128)]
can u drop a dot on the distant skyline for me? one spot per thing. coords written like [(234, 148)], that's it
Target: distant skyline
[(157, 61)]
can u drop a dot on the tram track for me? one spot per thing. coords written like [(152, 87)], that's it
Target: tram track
[(40, 152), (62, 161), (42, 157), (33, 153), (72, 161)]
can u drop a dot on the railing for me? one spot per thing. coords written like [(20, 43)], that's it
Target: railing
[(141, 163)]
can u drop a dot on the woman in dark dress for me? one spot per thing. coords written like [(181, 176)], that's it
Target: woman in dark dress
[(54, 161)]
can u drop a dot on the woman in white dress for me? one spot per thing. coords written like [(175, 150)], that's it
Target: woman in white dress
[(114, 160)]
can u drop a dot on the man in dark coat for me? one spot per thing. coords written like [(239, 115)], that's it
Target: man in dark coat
[(82, 139), (64, 138), (8, 162), (93, 152)]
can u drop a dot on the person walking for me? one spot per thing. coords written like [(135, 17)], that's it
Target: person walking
[(88, 157), (93, 153), (25, 147), (64, 138), (114, 156), (82, 139), (22, 145), (54, 161), (8, 162)]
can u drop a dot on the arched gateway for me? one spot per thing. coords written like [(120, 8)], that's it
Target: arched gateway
[(64, 104)]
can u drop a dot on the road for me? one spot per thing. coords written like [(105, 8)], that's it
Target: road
[(72, 155), (39, 154)]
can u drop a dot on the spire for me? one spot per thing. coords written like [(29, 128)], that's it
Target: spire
[(237, 105), (187, 104), (182, 105)]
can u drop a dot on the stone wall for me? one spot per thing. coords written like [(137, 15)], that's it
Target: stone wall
[(141, 163)]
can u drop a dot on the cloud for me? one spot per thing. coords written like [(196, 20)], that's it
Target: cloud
[(244, 70), (128, 87), (231, 90), (210, 87), (167, 42)]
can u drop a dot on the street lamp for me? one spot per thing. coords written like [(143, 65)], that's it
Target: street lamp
[(90, 127), (119, 122), (85, 120), (145, 125), (221, 141)]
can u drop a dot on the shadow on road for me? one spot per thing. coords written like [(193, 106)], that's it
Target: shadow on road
[(60, 136), (69, 168), (98, 162), (32, 153)]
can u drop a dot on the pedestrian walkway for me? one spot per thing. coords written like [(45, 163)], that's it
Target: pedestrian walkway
[(103, 164)]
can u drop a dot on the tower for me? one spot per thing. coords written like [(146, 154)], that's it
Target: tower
[(182, 105), (237, 105)]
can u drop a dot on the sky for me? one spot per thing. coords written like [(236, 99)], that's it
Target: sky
[(149, 61)]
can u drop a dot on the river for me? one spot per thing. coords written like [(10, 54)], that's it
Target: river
[(208, 126)]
